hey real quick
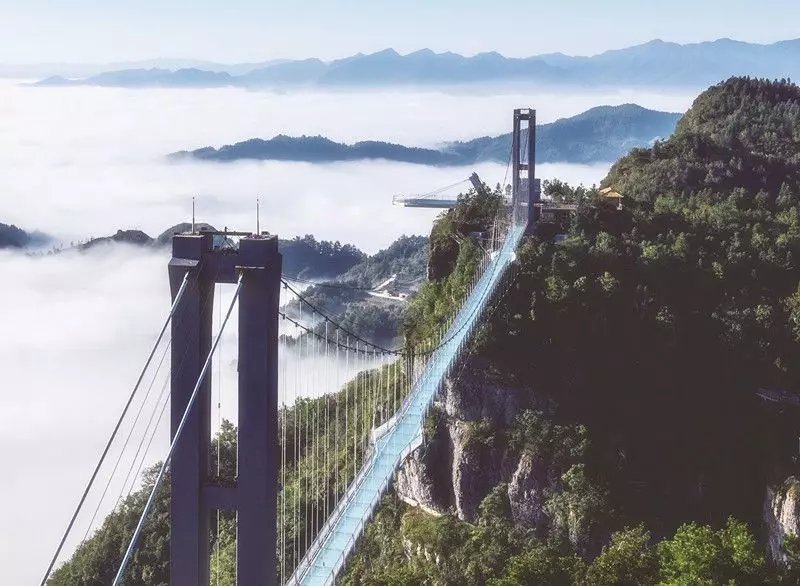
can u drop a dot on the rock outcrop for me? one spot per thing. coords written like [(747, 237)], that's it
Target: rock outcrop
[(465, 459), (476, 469), (454, 471), (416, 483), (474, 396), (526, 492), (781, 516)]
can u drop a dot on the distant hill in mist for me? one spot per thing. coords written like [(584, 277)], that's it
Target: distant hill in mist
[(601, 134), (304, 257), (12, 236), (653, 64)]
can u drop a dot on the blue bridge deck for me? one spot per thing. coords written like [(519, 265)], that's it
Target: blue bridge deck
[(394, 441)]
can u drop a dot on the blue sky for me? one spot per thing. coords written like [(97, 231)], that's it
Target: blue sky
[(251, 30)]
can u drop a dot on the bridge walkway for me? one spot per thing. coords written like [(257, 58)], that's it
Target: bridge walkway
[(394, 441)]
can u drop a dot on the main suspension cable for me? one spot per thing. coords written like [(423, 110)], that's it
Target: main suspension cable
[(89, 485), (396, 351), (127, 441), (132, 545), (325, 284), (333, 322)]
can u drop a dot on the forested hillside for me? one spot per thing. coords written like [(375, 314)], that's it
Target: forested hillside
[(611, 407), (350, 300)]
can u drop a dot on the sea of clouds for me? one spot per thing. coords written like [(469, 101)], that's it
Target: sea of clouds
[(75, 328)]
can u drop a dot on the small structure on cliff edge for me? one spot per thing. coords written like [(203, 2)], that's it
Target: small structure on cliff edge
[(612, 194)]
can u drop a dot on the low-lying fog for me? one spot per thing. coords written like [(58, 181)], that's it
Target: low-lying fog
[(80, 162), (84, 161)]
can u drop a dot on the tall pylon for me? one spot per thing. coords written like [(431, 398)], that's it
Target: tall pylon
[(253, 494), (526, 189)]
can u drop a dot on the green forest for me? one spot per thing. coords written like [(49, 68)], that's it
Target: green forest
[(347, 298), (632, 348)]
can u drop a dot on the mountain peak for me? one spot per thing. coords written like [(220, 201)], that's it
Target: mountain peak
[(385, 53), (489, 55), (658, 44)]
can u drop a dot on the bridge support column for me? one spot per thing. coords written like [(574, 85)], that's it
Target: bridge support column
[(254, 494), (526, 189), (191, 342), (258, 413)]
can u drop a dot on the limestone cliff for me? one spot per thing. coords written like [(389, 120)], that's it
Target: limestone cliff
[(781, 516), (469, 452)]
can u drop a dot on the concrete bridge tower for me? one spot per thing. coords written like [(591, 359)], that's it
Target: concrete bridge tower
[(253, 495), (526, 189)]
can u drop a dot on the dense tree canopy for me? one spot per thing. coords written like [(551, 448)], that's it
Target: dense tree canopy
[(671, 313), (312, 258), (654, 326)]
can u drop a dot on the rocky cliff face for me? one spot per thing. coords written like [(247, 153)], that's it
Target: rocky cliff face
[(418, 483), (466, 458), (477, 467), (526, 492), (781, 516)]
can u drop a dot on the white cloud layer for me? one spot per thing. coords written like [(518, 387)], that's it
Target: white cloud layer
[(75, 328), (86, 161)]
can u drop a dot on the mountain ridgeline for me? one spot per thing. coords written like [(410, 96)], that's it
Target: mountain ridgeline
[(601, 134), (653, 64)]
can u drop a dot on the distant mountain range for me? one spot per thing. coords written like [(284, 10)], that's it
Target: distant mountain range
[(604, 133), (82, 70), (656, 63)]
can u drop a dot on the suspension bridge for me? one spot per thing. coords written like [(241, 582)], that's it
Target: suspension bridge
[(317, 446)]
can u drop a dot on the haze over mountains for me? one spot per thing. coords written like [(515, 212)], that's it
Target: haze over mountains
[(82, 70), (603, 133), (653, 64)]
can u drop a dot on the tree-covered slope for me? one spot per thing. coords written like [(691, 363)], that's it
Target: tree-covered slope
[(318, 259), (743, 133), (653, 328), (657, 324), (406, 258), (350, 299)]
